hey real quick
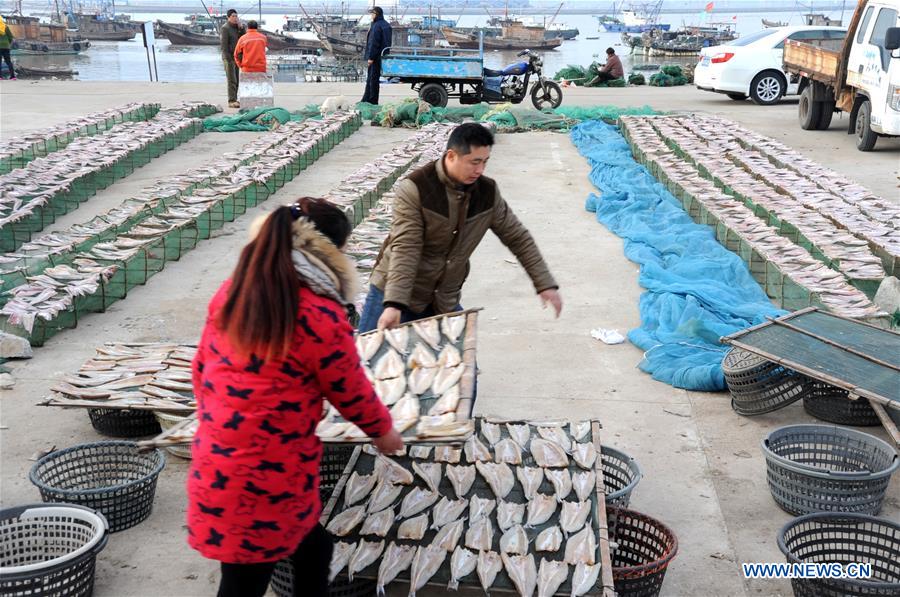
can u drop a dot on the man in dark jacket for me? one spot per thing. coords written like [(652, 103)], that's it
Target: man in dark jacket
[(611, 70), (229, 36), (378, 39), (441, 213)]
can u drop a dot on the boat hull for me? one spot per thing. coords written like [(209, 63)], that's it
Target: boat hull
[(182, 36), (622, 28), (470, 42), (26, 47)]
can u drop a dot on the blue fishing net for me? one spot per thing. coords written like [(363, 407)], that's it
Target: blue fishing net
[(697, 290)]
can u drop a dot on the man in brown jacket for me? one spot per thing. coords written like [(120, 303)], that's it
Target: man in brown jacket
[(441, 213)]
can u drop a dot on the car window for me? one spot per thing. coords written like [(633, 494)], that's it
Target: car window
[(835, 34), (887, 18), (746, 40), (804, 36), (864, 25)]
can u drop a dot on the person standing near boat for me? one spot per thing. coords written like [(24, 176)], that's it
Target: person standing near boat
[(231, 32), (6, 39), (377, 41), (250, 52)]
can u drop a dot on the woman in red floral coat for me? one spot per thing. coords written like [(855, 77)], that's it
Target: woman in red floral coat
[(276, 341)]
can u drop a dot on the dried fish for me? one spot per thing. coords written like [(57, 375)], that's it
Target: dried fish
[(514, 540), (530, 477), (367, 345), (390, 390), (490, 432), (453, 327), (417, 500), (447, 454), (449, 357), (397, 558), (574, 515), (390, 471), (582, 547), (480, 508), (509, 514), (508, 451), (413, 528), (421, 357), (489, 565), (562, 482), (585, 484), (462, 478), (551, 576), (429, 331), (446, 378), (379, 523), (384, 495), (448, 536), (390, 365), (558, 435), (358, 487), (522, 572), (462, 564), (584, 578), (420, 379), (342, 524), (430, 472), (446, 511), (447, 403), (520, 434), (476, 451), (328, 429), (405, 413), (499, 477), (343, 551), (540, 509), (585, 455), (548, 454), (366, 553), (420, 452), (398, 338), (480, 535), (550, 539), (427, 561), (430, 427), (580, 430)]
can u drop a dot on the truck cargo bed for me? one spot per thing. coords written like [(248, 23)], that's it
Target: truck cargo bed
[(812, 61)]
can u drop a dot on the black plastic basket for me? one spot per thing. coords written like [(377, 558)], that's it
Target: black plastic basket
[(124, 422), (830, 537), (335, 458), (110, 477), (49, 550), (828, 403), (759, 386), (822, 468), (641, 549), (621, 474), (282, 583)]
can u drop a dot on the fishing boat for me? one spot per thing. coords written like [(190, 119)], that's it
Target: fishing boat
[(184, 35), (772, 24), (687, 41), (635, 21), (820, 20), (515, 35), (278, 42), (102, 27), (31, 37), (24, 72)]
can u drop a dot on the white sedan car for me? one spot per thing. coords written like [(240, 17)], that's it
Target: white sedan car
[(752, 65)]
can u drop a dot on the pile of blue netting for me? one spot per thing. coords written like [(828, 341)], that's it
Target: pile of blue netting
[(697, 290)]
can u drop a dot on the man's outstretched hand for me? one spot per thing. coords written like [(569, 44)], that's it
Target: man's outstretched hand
[(551, 297), (390, 318)]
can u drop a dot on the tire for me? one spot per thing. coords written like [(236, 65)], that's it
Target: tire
[(549, 97), (827, 114), (767, 87), (865, 136), (434, 94), (810, 111), (738, 97)]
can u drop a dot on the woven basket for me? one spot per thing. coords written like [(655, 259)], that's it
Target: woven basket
[(828, 403), (49, 550), (642, 549), (282, 583), (124, 422), (759, 386), (110, 477), (827, 537), (621, 475), (821, 468), (167, 421)]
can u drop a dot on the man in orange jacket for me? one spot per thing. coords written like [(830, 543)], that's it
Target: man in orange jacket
[(250, 52)]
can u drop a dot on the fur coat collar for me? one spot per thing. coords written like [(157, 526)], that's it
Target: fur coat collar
[(321, 265)]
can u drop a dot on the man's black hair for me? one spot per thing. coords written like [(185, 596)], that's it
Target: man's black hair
[(610, 51), (230, 12), (379, 12), (469, 135), (252, 25)]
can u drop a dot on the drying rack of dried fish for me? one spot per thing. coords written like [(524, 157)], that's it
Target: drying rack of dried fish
[(524, 492), (34, 195), (135, 376), (18, 151), (791, 276), (46, 304)]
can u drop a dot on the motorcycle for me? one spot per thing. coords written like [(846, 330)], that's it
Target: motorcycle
[(511, 84)]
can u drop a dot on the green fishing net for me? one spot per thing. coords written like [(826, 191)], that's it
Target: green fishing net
[(637, 79), (671, 76)]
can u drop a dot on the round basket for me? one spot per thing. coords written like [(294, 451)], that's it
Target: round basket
[(335, 458), (124, 422), (167, 421), (821, 468), (759, 386), (621, 474), (641, 550), (828, 403), (110, 477), (282, 583), (829, 537), (49, 550)]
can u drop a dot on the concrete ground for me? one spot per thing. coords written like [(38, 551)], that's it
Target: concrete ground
[(704, 474)]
